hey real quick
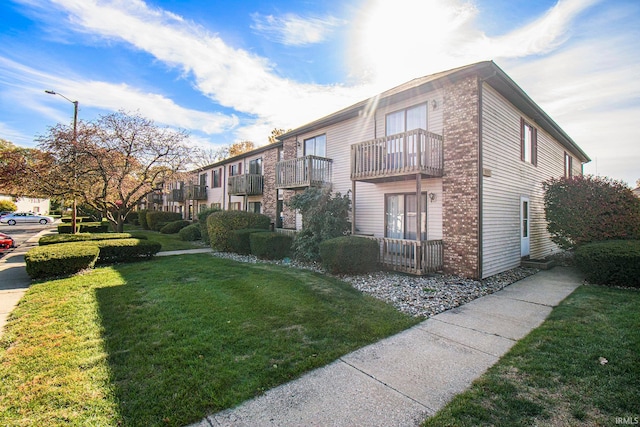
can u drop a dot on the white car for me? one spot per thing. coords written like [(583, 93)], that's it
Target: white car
[(25, 218)]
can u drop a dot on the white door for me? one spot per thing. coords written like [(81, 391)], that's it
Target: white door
[(524, 226)]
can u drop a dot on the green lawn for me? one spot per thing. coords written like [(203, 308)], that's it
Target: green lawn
[(168, 341), (558, 375), (169, 242)]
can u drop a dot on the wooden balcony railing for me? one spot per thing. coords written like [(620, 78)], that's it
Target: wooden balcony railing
[(176, 195), (301, 172), (416, 151), (246, 185), (411, 256), (196, 192), (155, 197)]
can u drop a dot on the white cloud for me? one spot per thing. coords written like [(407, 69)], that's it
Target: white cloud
[(295, 30)]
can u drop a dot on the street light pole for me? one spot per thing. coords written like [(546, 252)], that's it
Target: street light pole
[(74, 212)]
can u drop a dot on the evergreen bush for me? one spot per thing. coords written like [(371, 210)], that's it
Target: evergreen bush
[(124, 250), (174, 227), (202, 221), (190, 233), (158, 219), (52, 239), (349, 254), (270, 245), (239, 240), (614, 262), (142, 218), (221, 224), (60, 260)]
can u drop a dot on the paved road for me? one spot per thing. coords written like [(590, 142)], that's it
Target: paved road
[(23, 232)]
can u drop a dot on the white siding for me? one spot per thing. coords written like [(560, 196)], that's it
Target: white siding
[(510, 179)]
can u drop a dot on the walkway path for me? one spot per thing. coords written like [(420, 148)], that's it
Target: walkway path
[(403, 379)]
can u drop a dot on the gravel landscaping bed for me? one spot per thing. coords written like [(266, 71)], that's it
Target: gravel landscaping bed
[(417, 296)]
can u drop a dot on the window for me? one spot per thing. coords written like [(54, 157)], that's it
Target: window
[(235, 169), (316, 146), (216, 178), (406, 120), (528, 143), (568, 165), (203, 179), (400, 213), (216, 206), (254, 207), (234, 206), (255, 167)]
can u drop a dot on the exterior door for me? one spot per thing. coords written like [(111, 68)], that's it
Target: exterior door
[(525, 219)]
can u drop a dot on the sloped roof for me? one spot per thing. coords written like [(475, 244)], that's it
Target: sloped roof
[(486, 70)]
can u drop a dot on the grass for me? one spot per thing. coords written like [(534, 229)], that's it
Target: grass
[(168, 341), (169, 242), (558, 375)]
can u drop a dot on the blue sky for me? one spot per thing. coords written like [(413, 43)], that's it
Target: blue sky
[(233, 70)]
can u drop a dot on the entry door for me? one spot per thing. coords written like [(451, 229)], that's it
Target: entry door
[(524, 226)]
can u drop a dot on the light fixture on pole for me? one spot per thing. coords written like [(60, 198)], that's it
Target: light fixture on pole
[(75, 146)]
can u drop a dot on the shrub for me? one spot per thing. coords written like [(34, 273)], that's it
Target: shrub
[(157, 219), (270, 245), (239, 240), (221, 224), (202, 220), (84, 227), (174, 226), (349, 254), (123, 250), (614, 262), (132, 218), (323, 217), (60, 260), (190, 233), (589, 209), (142, 218), (79, 219), (8, 205), (82, 237)]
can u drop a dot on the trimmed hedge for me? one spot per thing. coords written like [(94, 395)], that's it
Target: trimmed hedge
[(142, 218), (221, 224), (349, 254), (270, 244), (79, 219), (84, 227), (190, 233), (123, 250), (613, 262), (60, 260), (157, 219), (239, 240), (52, 239), (202, 220), (174, 227)]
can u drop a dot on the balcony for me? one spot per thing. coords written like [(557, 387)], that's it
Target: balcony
[(303, 172), (246, 185), (196, 192), (176, 195), (411, 256), (395, 157), (155, 197)]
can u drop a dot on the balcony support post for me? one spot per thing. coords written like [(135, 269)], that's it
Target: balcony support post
[(353, 208), (419, 207)]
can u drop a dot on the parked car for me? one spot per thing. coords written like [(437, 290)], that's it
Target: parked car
[(5, 213), (25, 218), (6, 242)]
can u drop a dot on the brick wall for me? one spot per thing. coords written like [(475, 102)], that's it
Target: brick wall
[(290, 151), (269, 192), (460, 220)]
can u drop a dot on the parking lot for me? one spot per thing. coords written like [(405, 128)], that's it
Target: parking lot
[(22, 232)]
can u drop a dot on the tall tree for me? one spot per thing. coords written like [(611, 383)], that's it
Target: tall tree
[(240, 147), (114, 162)]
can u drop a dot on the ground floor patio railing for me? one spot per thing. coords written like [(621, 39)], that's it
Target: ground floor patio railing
[(411, 256)]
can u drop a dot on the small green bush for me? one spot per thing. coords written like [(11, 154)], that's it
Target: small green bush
[(132, 218), (84, 227), (79, 219), (190, 233), (174, 227), (60, 260), (349, 254), (613, 262), (123, 250), (202, 220), (221, 224), (158, 219), (270, 245), (142, 219), (52, 239), (240, 242)]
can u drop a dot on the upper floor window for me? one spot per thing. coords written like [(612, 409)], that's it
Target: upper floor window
[(235, 169), (217, 182), (568, 165), (203, 179), (406, 120), (528, 143), (316, 146), (255, 166)]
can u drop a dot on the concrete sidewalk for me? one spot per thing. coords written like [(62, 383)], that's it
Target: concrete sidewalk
[(14, 280), (403, 379)]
